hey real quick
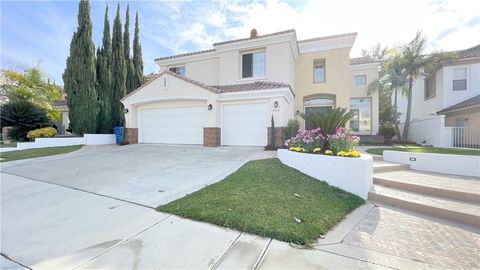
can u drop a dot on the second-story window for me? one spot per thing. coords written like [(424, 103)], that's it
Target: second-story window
[(180, 70), (253, 64), (429, 87), (459, 79), (360, 80), (319, 71)]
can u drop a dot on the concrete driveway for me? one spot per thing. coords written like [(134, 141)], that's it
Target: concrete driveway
[(145, 174)]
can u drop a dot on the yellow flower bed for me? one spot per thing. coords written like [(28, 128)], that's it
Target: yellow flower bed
[(354, 153), (328, 152), (317, 150), (42, 133)]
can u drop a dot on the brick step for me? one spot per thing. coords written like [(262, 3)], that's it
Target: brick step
[(383, 166), (453, 210)]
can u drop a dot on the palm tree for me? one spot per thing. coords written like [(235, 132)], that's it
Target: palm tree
[(416, 63)]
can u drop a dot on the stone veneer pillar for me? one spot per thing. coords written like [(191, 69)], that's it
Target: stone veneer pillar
[(131, 135), (211, 136)]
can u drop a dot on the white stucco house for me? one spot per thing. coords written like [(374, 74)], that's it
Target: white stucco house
[(228, 95), (446, 107)]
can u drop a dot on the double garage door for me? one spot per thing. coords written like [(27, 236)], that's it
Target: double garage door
[(241, 124)]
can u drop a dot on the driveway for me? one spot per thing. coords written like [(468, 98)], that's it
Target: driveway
[(145, 174)]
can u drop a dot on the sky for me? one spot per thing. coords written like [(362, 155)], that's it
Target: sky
[(39, 32)]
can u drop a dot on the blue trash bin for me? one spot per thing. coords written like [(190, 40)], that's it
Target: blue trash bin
[(118, 131)]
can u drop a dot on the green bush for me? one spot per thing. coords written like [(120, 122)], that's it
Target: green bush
[(46, 132), (22, 116), (291, 129), (328, 121), (387, 130)]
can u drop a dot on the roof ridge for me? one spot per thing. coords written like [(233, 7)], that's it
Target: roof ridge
[(251, 38), (328, 37)]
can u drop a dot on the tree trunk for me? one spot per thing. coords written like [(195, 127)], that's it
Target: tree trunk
[(409, 109), (395, 120)]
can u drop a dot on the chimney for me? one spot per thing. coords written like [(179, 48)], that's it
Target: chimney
[(253, 33)]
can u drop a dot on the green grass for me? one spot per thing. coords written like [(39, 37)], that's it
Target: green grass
[(39, 152), (2, 145), (437, 150), (260, 198)]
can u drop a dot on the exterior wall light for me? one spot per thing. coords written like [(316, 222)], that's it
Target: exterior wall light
[(298, 112), (210, 107), (125, 110), (275, 104)]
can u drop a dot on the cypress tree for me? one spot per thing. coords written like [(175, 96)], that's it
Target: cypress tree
[(118, 71), (79, 77), (137, 57), (104, 79), (126, 46)]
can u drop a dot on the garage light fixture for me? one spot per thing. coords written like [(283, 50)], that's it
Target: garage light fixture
[(210, 107), (125, 110), (275, 104)]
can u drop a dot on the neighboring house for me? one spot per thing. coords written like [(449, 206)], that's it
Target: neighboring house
[(227, 95), (446, 107)]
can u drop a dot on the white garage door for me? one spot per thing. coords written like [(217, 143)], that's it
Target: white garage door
[(172, 125), (244, 124)]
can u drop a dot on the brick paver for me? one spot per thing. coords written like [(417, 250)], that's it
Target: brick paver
[(417, 237)]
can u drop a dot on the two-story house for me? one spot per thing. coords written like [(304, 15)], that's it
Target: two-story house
[(446, 106), (228, 95)]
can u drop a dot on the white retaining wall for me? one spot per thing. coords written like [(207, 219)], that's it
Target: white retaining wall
[(87, 139), (441, 163), (430, 131), (354, 175)]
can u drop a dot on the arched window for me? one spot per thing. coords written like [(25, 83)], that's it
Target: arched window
[(318, 104)]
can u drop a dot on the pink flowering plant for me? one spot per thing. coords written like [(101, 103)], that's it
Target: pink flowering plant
[(343, 141), (308, 141)]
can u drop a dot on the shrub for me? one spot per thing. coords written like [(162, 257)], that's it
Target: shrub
[(342, 142), (22, 116), (310, 141), (291, 129), (46, 132), (329, 120), (387, 130)]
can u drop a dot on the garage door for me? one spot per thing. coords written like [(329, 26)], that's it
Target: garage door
[(172, 125), (244, 124)]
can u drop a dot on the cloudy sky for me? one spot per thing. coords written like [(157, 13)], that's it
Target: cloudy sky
[(40, 31)]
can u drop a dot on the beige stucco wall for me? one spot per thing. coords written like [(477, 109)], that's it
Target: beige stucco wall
[(371, 72), (278, 64), (337, 78), (179, 93), (471, 118), (204, 70)]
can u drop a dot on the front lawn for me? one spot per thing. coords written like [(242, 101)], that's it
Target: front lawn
[(437, 150), (38, 152), (268, 198)]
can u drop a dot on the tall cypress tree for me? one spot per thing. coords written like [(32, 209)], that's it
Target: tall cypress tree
[(79, 77), (118, 71), (137, 57), (126, 46), (104, 79)]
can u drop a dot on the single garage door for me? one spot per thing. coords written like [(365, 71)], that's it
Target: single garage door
[(244, 124), (172, 125)]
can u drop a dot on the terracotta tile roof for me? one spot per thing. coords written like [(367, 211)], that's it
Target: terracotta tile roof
[(462, 105), (470, 52), (258, 85), (183, 54), (257, 37), (362, 60), (328, 37)]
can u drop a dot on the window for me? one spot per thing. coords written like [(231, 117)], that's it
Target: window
[(318, 104), (253, 64), (319, 71), (459, 79), (180, 70), (429, 87), (360, 80), (362, 115)]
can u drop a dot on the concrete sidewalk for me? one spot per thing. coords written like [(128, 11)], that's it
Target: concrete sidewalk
[(46, 226)]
